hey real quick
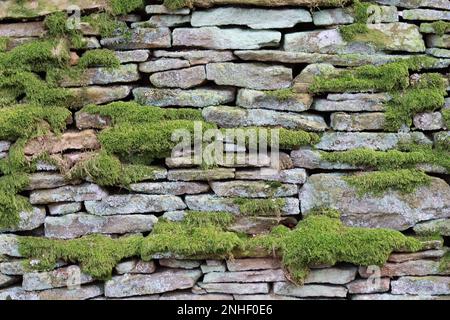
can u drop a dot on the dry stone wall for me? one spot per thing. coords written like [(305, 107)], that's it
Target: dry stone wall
[(358, 91)]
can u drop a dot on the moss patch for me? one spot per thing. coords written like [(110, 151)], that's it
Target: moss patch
[(11, 203), (281, 94), (99, 58), (359, 26), (119, 7), (260, 207), (439, 27), (446, 116)]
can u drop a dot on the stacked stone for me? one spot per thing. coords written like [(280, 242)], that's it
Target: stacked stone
[(223, 60)]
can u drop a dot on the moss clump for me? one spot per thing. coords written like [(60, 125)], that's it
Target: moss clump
[(439, 27), (446, 116), (178, 4), (260, 207), (97, 254), (119, 7), (11, 203), (57, 27), (379, 182), (281, 94), (4, 41), (360, 21), (444, 263), (107, 25), (99, 58)]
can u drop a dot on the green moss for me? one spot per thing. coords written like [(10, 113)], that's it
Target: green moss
[(281, 94), (96, 254), (178, 4), (359, 26), (446, 116), (99, 58), (439, 27), (119, 7), (12, 204), (260, 207), (4, 41), (444, 263), (197, 219), (56, 25), (379, 182), (107, 25)]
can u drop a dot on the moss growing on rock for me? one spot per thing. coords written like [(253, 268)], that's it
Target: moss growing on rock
[(99, 58), (360, 14), (11, 203), (178, 4), (439, 27), (119, 7), (446, 116), (260, 207), (281, 94), (57, 27)]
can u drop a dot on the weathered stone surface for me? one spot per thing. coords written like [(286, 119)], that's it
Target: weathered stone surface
[(136, 266), (311, 159), (256, 225), (20, 267), (77, 293), (252, 189), (216, 204), (254, 99), (253, 18), (64, 208), (161, 21), (407, 268), (264, 297), (334, 275), (229, 117), (216, 38), (181, 264), (212, 266), (438, 4), (425, 14), (391, 210), (134, 203), (349, 104), (200, 174), (84, 192), (326, 17), (184, 98), (341, 121), (162, 9), (98, 95), (340, 141), (67, 276), (250, 75), (396, 36), (132, 55), (232, 288), (136, 285), (253, 264), (44, 180), (429, 254), (429, 121), (4, 146), (421, 285), (195, 57), (92, 76), (170, 188), (183, 78), (228, 160), (28, 220), (438, 41), (6, 281), (195, 297), (297, 176), (22, 29), (441, 226), (80, 224), (308, 75), (388, 296), (141, 38), (9, 245), (369, 286), (438, 52), (311, 290), (163, 65), (245, 276)]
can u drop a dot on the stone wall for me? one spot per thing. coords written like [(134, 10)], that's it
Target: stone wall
[(361, 98)]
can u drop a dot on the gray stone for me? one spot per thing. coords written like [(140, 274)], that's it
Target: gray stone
[(63, 277), (264, 297), (407, 268), (251, 17), (9, 245), (347, 105), (229, 117), (311, 159), (296, 176), (98, 95), (253, 264), (440, 226), (200, 174), (162, 9), (428, 254), (170, 188), (20, 267), (64, 208), (233, 288), (6, 281), (216, 38), (83, 192), (388, 296), (44, 180), (340, 141), (245, 276), (134, 203), (160, 21), (195, 57), (22, 29), (311, 290), (174, 215), (438, 41), (141, 38), (421, 285), (195, 297), (80, 224), (425, 14), (182, 78), (254, 99), (429, 121), (132, 55), (438, 52), (256, 225), (28, 220), (213, 266), (252, 189), (183, 98), (369, 286), (308, 75), (391, 210), (4, 146), (371, 121), (438, 4), (250, 75), (334, 275), (327, 17), (135, 285), (181, 264), (77, 293), (136, 266), (163, 65)]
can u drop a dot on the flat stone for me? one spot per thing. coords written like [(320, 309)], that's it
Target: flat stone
[(136, 285), (245, 276), (169, 188), (161, 21), (195, 57), (264, 297), (255, 225), (162, 9), (311, 290), (407, 268), (6, 281), (391, 210), (351, 105), (428, 254), (234, 158), (20, 267), (388, 296), (229, 117), (163, 65), (200, 174), (182, 78), (327, 17), (195, 297), (98, 95), (261, 3), (132, 55), (103, 75), (22, 29), (371, 121), (9, 245), (253, 264), (141, 38), (80, 224), (67, 276), (440, 226), (253, 18), (84, 192), (436, 41), (425, 14), (64, 208), (421, 285), (181, 264), (369, 286), (311, 159), (233, 288), (296, 176), (252, 189), (438, 4), (340, 141), (136, 266), (216, 38), (134, 203), (77, 293), (254, 99), (250, 75), (44, 180), (334, 275), (183, 98), (429, 121), (438, 52), (28, 220), (212, 266)]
